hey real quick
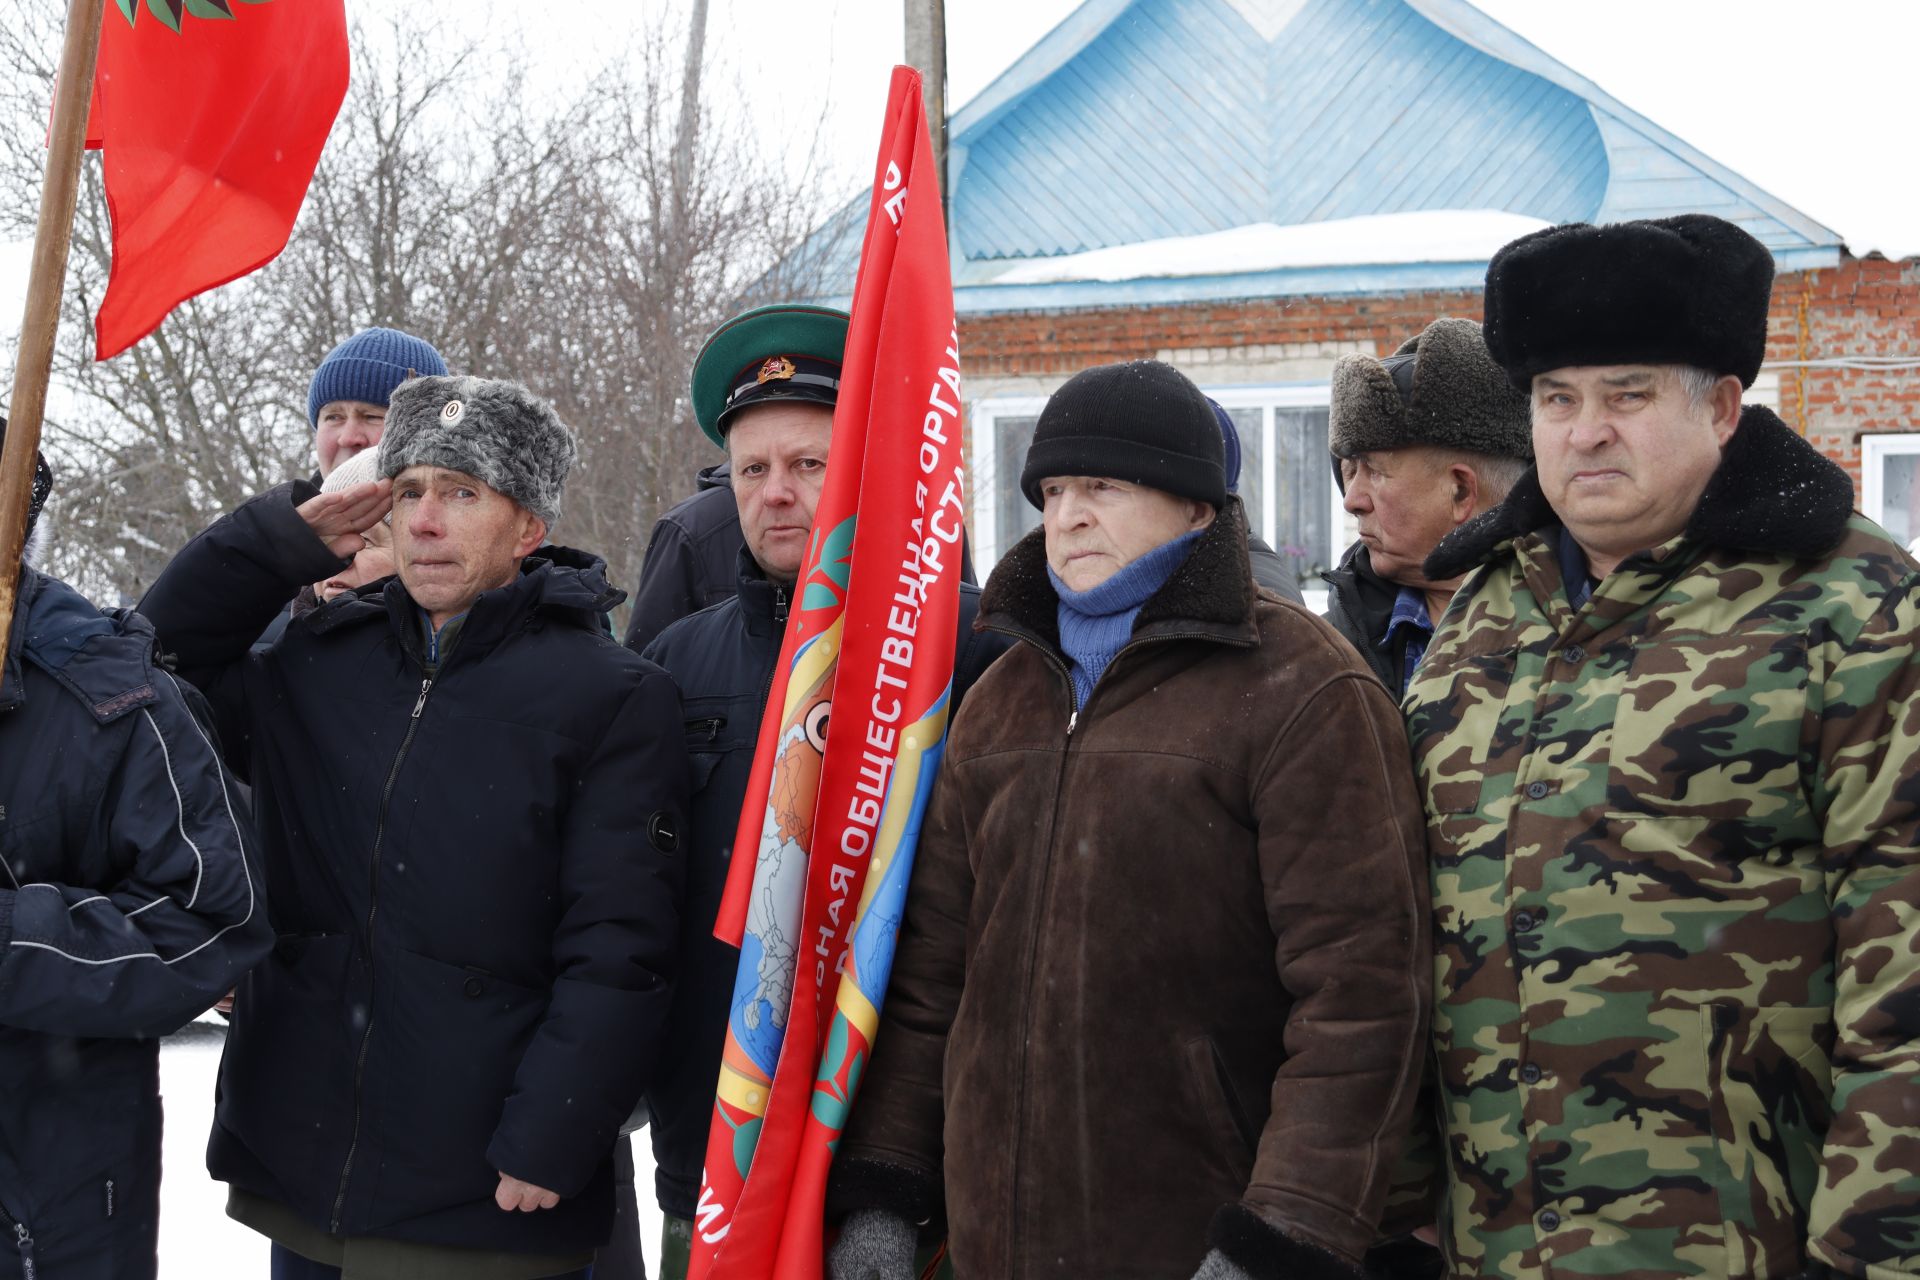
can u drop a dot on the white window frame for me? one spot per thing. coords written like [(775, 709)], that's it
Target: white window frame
[(986, 412), (1875, 450), (984, 415), (1284, 395)]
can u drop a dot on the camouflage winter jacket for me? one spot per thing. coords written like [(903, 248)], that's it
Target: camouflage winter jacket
[(1677, 890)]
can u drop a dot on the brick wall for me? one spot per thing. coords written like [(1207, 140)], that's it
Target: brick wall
[(1863, 307)]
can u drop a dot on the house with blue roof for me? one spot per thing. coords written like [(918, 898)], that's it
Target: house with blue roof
[(1249, 189)]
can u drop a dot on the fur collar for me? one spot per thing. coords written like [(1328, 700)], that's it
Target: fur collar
[(1213, 587), (1773, 493)]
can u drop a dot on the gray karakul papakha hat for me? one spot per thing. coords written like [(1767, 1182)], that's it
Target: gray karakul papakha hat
[(498, 432)]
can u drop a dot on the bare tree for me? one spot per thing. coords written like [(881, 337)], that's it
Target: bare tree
[(583, 246)]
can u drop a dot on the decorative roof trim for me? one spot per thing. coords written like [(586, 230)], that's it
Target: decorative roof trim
[(1462, 21)]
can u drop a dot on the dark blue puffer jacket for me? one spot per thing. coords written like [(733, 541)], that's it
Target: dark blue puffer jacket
[(127, 906), (475, 868), (722, 659)]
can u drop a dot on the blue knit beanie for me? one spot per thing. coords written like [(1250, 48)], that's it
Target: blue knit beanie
[(368, 366), (1230, 439)]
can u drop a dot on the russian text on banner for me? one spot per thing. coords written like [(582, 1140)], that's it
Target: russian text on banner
[(833, 816)]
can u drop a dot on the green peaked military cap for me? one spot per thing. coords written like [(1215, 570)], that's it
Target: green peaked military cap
[(780, 347)]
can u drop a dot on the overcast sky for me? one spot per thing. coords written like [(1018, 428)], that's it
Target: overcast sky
[(1811, 99)]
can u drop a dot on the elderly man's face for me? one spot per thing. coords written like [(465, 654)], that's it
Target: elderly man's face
[(1096, 526), (1404, 501), (1624, 455), (453, 538), (344, 428), (778, 455)]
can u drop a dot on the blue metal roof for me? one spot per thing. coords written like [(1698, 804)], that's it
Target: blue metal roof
[(1140, 120)]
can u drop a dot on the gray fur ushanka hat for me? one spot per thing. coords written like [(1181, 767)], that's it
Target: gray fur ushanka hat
[(498, 432), (1441, 387)]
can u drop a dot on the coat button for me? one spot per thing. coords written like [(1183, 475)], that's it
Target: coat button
[(1549, 1221), (1574, 653), (1538, 790), (474, 986), (1530, 1073), (1524, 922)]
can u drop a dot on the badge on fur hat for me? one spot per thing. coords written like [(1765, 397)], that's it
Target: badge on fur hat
[(452, 412), (777, 368)]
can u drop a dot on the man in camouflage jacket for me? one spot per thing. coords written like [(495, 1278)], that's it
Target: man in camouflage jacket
[(1668, 739)]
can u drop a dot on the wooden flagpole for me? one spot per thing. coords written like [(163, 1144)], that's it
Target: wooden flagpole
[(33, 364)]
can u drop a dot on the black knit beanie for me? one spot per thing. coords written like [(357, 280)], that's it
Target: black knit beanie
[(1142, 422)]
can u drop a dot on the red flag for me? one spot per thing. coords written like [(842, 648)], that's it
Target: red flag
[(870, 640), (211, 115)]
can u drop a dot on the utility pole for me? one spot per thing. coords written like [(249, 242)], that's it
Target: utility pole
[(927, 54)]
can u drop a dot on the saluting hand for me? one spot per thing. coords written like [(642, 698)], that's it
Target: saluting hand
[(524, 1196), (338, 519)]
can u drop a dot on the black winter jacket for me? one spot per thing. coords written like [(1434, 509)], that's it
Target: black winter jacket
[(722, 659), (475, 871), (1271, 572), (127, 906), (1359, 603), (690, 558)]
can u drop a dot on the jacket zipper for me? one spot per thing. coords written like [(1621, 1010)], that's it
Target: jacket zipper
[(24, 1243), (779, 616), (1046, 876), (1033, 945), (373, 909)]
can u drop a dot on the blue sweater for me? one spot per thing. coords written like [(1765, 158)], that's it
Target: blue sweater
[(1095, 624)]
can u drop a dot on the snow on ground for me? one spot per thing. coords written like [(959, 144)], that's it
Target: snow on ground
[(1435, 235), (197, 1239)]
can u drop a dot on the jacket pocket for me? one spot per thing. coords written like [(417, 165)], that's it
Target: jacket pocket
[(713, 730), (1771, 1083), (445, 1060), (288, 1064), (1708, 730), (1227, 1132)]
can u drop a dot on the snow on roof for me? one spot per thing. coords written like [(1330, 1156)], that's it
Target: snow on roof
[(1434, 235)]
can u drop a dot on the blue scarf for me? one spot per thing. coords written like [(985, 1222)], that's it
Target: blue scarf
[(1095, 623)]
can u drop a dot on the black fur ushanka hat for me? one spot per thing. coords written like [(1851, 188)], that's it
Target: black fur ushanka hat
[(1440, 388), (1690, 290)]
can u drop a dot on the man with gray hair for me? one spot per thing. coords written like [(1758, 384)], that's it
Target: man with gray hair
[(1423, 441), (472, 843)]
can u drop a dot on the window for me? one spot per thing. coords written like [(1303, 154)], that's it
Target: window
[(1002, 430), (1286, 480), (1890, 484)]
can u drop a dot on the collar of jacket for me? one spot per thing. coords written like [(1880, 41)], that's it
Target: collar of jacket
[(763, 602), (1209, 597), (60, 631), (1357, 582), (555, 582), (1773, 493)]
